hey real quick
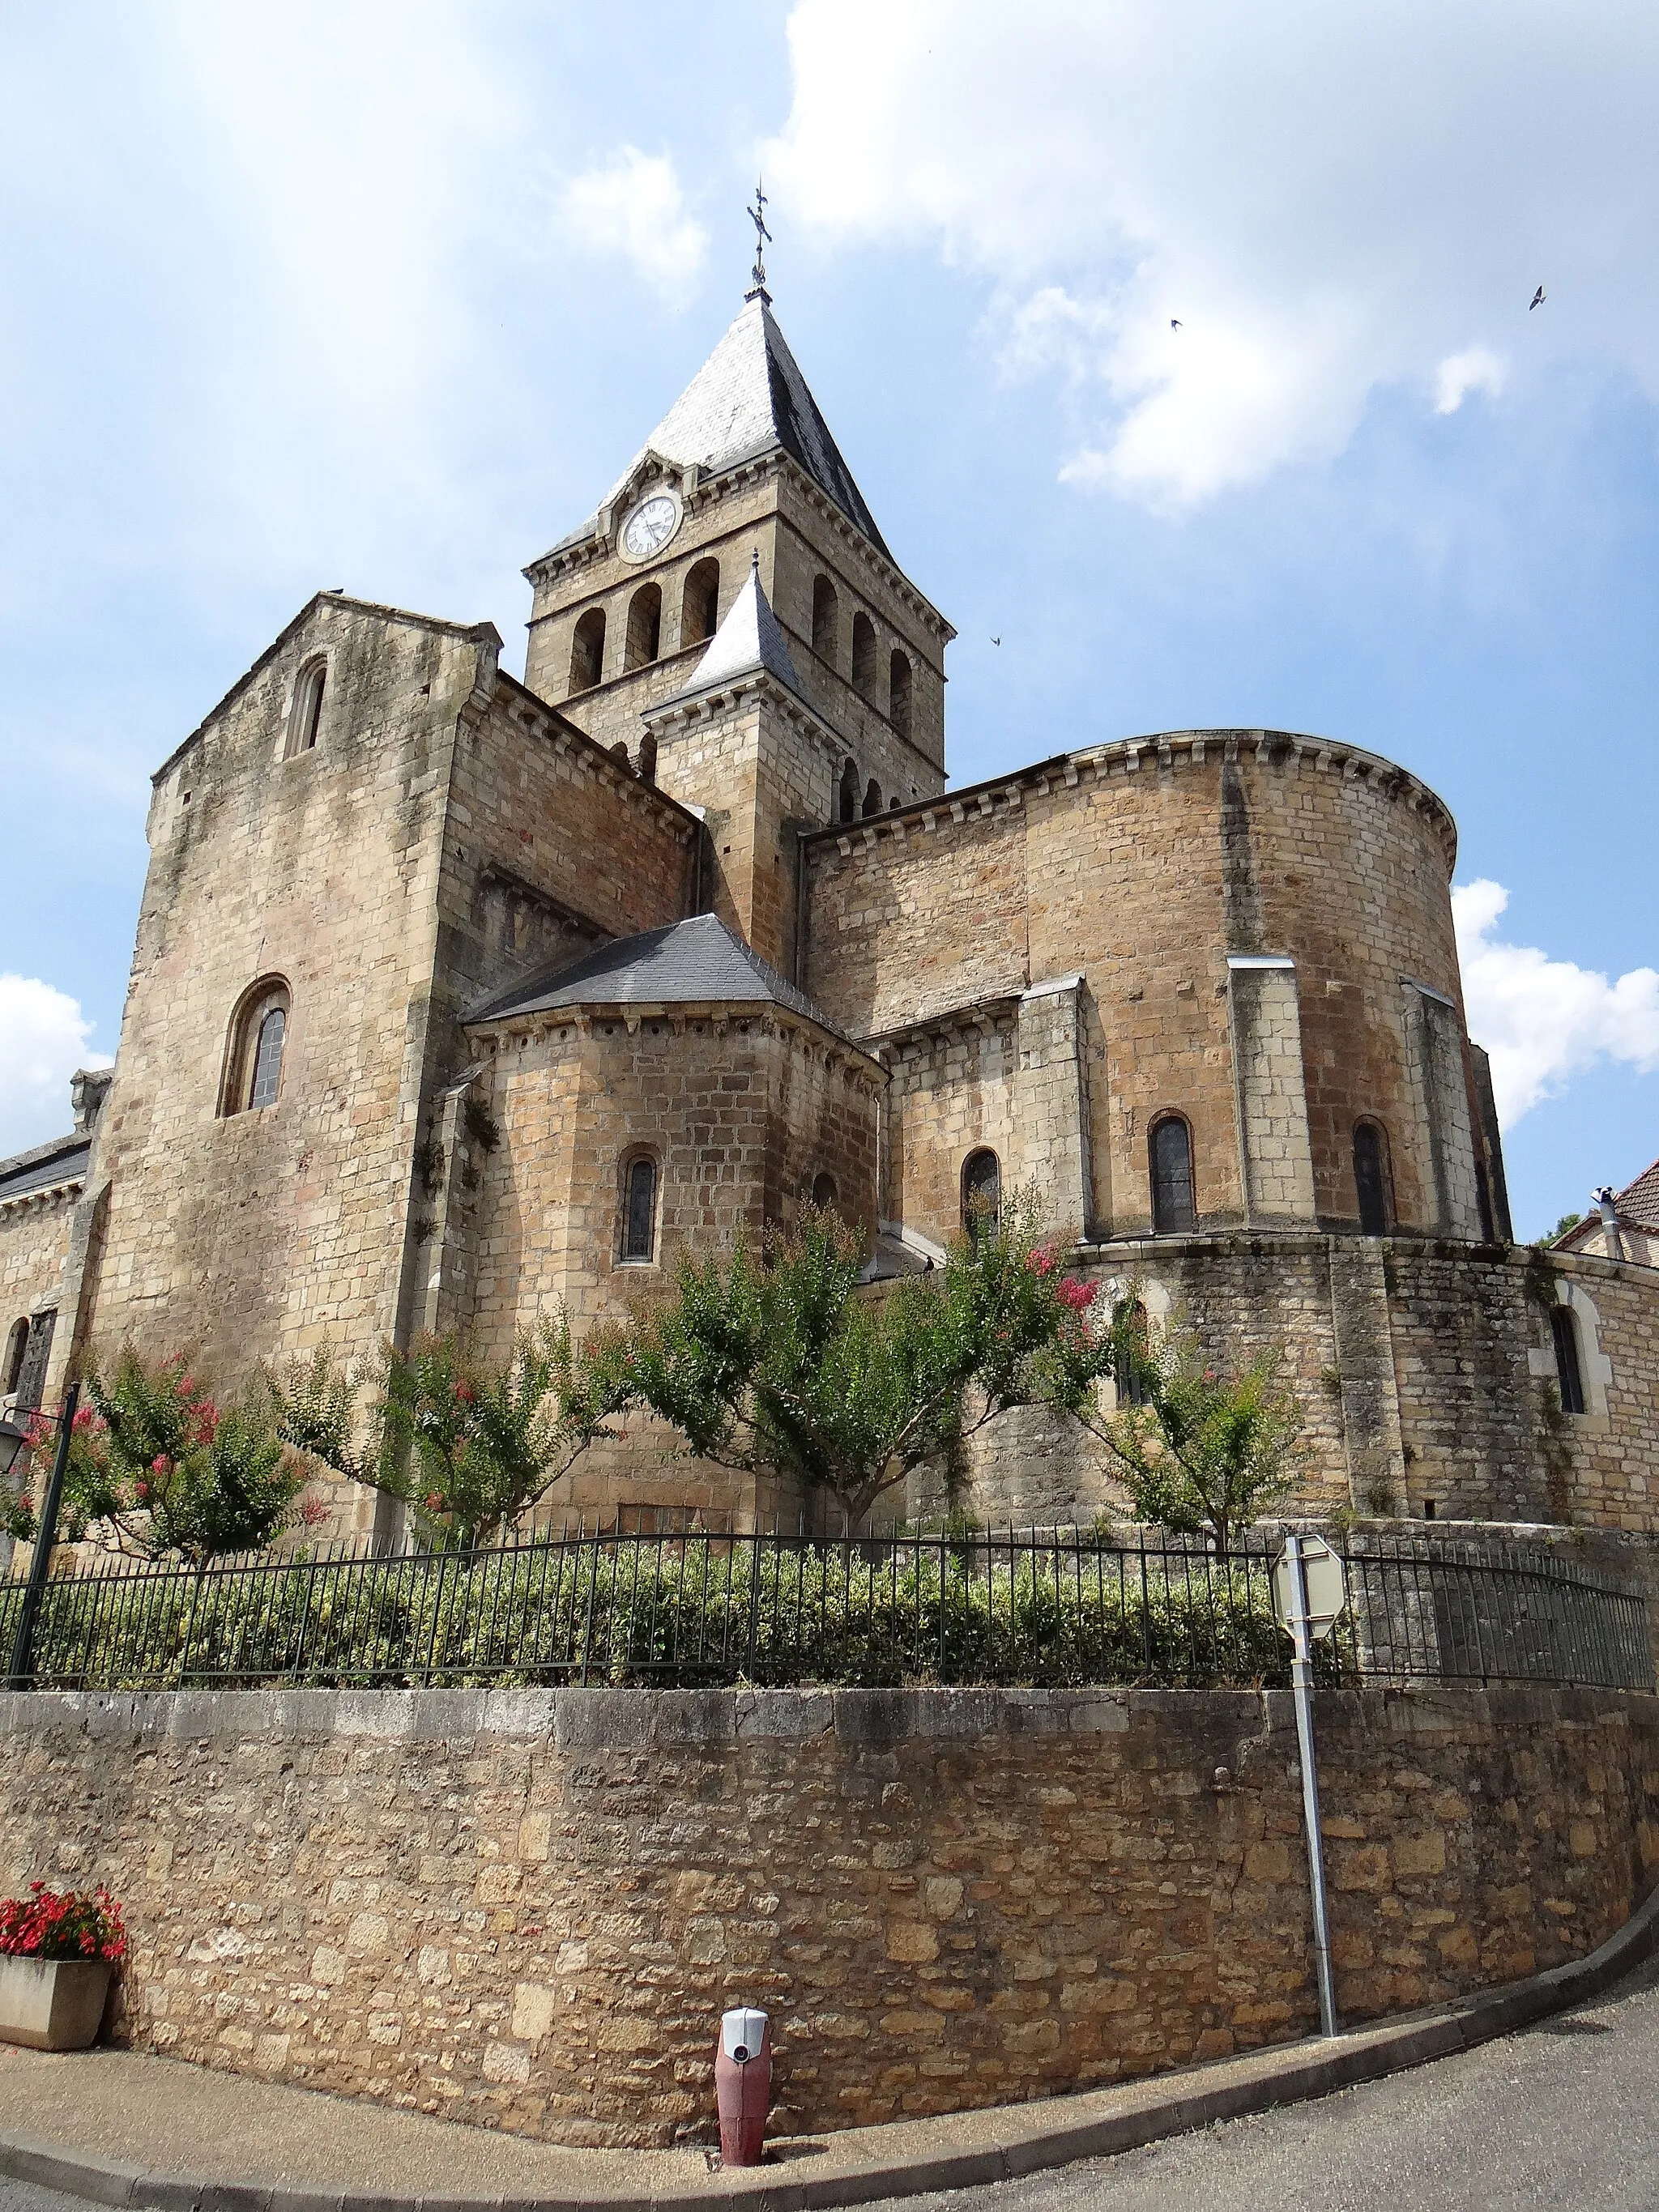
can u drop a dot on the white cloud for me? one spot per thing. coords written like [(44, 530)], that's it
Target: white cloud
[(1329, 201), (42, 1040), (632, 205), (1545, 1021), (1477, 368)]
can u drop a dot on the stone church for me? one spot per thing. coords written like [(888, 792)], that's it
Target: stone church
[(455, 996)]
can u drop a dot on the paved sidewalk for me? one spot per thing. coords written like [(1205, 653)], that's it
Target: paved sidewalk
[(125, 2128)]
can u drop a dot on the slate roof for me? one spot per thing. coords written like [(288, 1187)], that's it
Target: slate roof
[(695, 962), (64, 1160), (749, 399), (750, 638)]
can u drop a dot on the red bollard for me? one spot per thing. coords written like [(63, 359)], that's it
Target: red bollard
[(743, 2085)]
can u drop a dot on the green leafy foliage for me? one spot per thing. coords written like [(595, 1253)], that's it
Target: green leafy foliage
[(471, 1445), (159, 1467), (782, 1363), (696, 1612), (1205, 1450)]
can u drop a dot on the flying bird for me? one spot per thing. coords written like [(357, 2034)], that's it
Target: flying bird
[(1175, 322), (1536, 301), (996, 640)]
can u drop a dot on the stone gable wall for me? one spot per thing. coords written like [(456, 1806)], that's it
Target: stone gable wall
[(549, 849), (527, 1909), (256, 1234)]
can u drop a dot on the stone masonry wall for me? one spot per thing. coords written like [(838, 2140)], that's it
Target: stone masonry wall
[(766, 508), (34, 1241), (1145, 866), (741, 1112), (527, 1909), (256, 1234), (1425, 1370)]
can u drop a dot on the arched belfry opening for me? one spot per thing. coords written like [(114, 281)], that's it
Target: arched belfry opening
[(847, 798), (699, 603), (898, 693), (864, 655), (587, 651), (644, 626), (826, 621)]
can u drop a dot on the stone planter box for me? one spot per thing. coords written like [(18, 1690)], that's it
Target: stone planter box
[(52, 2004)]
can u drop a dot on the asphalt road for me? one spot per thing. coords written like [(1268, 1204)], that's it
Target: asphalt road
[(1565, 2116)]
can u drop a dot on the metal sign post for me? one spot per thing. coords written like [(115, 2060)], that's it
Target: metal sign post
[(1305, 1623)]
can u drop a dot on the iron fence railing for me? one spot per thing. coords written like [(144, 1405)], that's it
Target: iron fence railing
[(1043, 1606)]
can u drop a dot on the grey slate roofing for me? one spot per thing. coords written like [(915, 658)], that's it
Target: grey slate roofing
[(64, 1160), (750, 638), (695, 962), (749, 398)]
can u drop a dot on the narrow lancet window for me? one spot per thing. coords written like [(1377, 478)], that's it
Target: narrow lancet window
[(305, 716), (1371, 1180), (639, 1211), (1173, 1209), (1568, 1373), (981, 1193)]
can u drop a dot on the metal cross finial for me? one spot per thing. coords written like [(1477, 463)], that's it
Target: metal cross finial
[(763, 239)]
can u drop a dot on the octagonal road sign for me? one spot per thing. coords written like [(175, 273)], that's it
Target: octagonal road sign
[(1325, 1581)]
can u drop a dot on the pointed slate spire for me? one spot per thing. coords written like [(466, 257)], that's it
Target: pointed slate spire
[(750, 639), (749, 397)]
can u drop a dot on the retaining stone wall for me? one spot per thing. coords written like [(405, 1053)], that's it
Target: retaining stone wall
[(525, 1909)]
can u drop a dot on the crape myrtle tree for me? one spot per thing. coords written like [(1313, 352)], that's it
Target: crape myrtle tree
[(157, 1469), (470, 1445), (776, 1360), (779, 1362), (1199, 1450)]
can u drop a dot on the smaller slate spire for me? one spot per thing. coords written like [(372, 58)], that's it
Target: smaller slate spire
[(750, 640)]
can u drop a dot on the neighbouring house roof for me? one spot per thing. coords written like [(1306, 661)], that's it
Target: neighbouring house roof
[(749, 399), (1636, 1206), (46, 1167), (750, 639), (695, 962), (1638, 1201)]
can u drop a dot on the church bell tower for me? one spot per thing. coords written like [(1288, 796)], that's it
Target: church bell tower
[(737, 536)]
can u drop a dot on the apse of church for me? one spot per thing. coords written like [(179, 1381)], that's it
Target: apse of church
[(455, 999)]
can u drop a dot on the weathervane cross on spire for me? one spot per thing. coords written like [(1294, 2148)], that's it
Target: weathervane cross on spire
[(763, 239)]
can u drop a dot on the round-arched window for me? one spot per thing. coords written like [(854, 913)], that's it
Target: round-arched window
[(1170, 1145), (258, 1042), (981, 1193), (824, 1190), (1371, 1178), (639, 1223)]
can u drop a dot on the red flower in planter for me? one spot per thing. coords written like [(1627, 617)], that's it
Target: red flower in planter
[(49, 1923)]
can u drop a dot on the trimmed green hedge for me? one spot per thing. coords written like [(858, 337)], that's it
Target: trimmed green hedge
[(688, 1613)]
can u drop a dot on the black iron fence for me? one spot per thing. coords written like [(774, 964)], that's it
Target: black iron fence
[(1050, 1607)]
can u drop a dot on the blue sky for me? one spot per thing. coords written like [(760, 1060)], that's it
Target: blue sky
[(384, 295)]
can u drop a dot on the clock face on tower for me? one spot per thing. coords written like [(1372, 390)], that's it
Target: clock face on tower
[(650, 526)]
